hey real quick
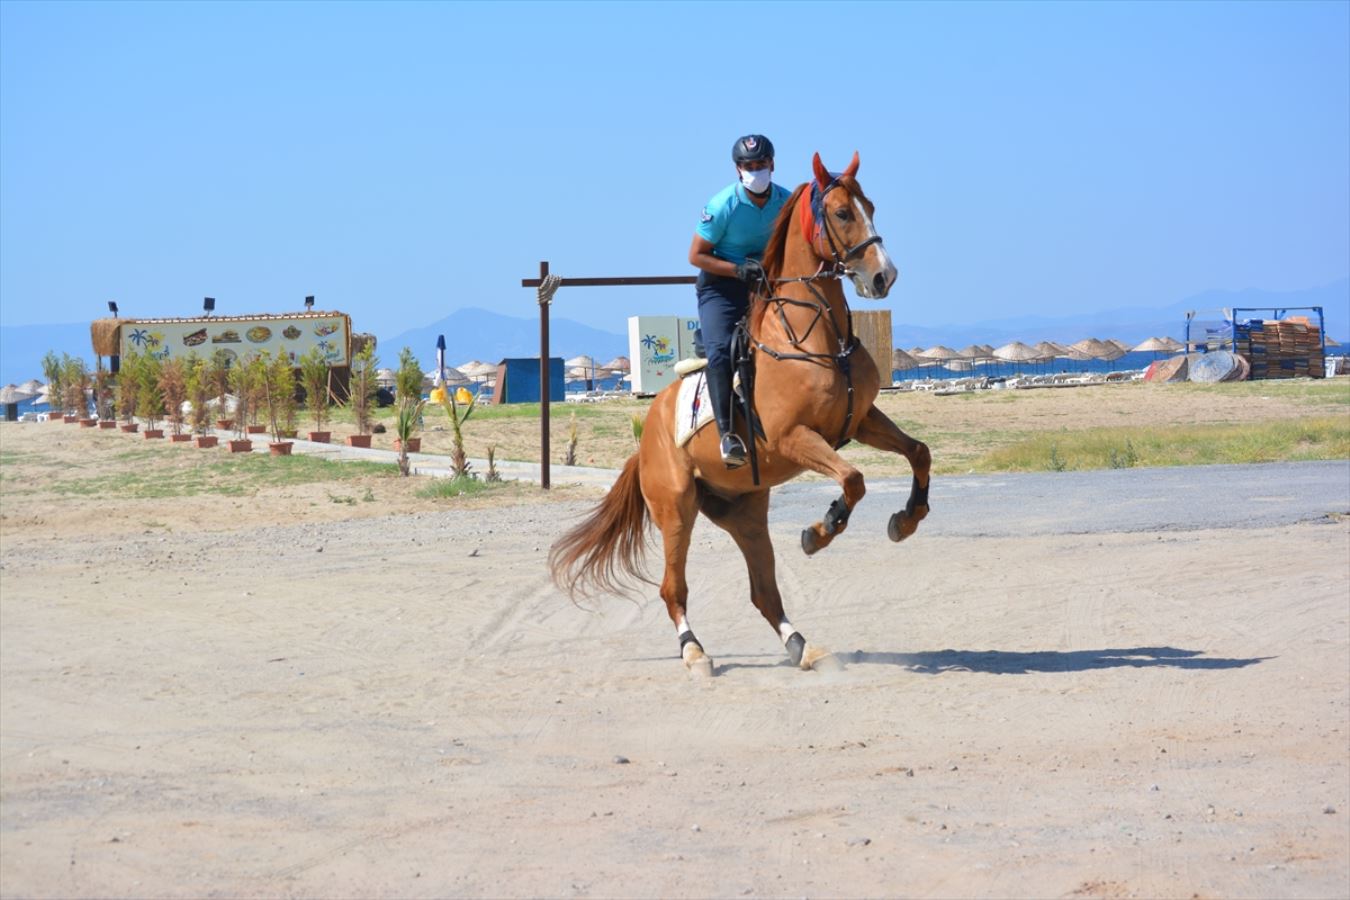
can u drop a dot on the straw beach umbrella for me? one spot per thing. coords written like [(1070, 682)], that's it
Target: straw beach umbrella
[(1120, 345), (902, 361), (975, 353), (939, 353), (1017, 353), (1152, 345), (619, 364), (1095, 349), (1050, 350), (35, 387), (478, 371)]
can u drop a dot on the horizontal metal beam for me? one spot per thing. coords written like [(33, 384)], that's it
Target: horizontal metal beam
[(614, 282)]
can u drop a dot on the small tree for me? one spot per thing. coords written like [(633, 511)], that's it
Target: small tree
[(173, 387), (278, 380), (241, 382), (149, 395), (75, 385), (198, 391), (128, 387), (103, 393), (218, 377), (257, 380), (314, 371), (409, 414), (459, 460), (408, 378), (362, 387), (55, 375)]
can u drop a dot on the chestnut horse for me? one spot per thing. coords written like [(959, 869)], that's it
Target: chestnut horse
[(814, 386)]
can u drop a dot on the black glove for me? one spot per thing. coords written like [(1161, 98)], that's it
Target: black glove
[(750, 271)]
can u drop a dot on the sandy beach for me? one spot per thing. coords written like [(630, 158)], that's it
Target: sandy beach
[(285, 695)]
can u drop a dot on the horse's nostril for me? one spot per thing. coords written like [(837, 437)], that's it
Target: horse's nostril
[(879, 283)]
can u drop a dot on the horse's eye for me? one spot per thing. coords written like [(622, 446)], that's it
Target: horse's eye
[(843, 215)]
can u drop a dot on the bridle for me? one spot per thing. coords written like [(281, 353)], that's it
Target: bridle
[(815, 222), (817, 210)]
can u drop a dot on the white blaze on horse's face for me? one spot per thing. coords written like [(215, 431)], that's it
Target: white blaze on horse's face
[(874, 273)]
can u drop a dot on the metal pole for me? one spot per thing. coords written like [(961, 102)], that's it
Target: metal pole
[(543, 382)]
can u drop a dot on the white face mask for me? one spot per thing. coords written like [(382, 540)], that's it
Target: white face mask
[(756, 182)]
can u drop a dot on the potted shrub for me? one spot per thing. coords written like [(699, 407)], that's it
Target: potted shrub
[(408, 378), (149, 397), (199, 396), (257, 381), (75, 385), (173, 387), (55, 375), (125, 389), (103, 397), (279, 393), (314, 374), (361, 394), (241, 380), (218, 377), (409, 417)]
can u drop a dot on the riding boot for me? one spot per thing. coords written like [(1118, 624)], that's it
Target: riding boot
[(719, 393)]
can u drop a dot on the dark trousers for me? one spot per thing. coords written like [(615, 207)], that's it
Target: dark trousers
[(722, 302)]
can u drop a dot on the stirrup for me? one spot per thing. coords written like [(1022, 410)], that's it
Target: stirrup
[(689, 366), (733, 451)]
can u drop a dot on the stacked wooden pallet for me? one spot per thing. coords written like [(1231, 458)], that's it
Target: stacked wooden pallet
[(1284, 349)]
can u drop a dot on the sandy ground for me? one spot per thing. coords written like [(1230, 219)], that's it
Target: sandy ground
[(316, 704)]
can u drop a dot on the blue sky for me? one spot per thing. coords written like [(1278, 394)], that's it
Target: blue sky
[(403, 161)]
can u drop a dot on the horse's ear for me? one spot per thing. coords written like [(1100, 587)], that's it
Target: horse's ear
[(852, 169), (822, 175)]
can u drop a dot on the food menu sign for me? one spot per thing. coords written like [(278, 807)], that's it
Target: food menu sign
[(240, 337)]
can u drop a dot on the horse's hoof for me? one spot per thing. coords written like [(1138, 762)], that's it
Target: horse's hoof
[(818, 659), (698, 663), (700, 668), (795, 646), (810, 541), (901, 526)]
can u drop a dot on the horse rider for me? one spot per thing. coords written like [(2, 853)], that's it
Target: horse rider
[(727, 250)]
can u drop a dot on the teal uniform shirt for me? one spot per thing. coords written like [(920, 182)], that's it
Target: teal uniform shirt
[(735, 226)]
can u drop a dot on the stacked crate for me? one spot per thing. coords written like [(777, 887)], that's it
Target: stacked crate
[(1285, 349)]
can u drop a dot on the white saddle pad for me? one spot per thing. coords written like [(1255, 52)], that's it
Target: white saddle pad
[(693, 409)]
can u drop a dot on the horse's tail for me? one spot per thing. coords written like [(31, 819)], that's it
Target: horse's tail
[(598, 555)]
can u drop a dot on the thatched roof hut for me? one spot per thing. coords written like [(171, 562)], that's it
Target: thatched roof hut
[(106, 336)]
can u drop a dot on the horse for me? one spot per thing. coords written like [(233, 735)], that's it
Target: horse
[(814, 388)]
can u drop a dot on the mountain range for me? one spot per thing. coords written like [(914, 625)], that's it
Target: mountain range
[(480, 334)]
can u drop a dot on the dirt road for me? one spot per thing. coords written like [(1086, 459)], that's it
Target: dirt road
[(405, 706)]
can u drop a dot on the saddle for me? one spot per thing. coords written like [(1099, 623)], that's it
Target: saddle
[(694, 395)]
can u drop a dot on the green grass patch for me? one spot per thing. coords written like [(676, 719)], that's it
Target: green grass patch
[(443, 488), (1193, 445), (233, 476)]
